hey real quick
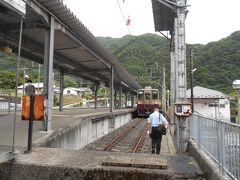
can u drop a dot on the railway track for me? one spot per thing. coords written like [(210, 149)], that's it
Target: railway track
[(129, 138), (141, 140), (121, 136)]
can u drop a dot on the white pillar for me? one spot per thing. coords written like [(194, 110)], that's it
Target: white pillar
[(120, 97), (95, 96), (111, 89), (45, 77), (50, 71), (164, 92), (61, 91)]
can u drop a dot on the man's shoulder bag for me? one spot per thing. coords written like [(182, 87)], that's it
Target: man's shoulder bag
[(161, 128)]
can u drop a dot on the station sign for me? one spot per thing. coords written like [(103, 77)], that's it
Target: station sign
[(183, 109), (17, 5), (38, 110)]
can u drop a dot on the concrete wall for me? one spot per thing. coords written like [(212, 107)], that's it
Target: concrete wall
[(208, 166), (86, 131)]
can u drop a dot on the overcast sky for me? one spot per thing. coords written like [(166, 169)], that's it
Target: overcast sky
[(208, 20)]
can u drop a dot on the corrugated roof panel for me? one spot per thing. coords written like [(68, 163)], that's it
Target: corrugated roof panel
[(86, 36), (69, 54)]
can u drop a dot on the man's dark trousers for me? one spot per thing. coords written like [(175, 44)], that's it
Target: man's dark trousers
[(156, 140)]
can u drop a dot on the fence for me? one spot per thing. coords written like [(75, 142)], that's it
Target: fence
[(220, 140), (5, 102)]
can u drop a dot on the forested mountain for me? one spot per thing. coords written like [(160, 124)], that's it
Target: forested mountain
[(217, 63), (144, 56)]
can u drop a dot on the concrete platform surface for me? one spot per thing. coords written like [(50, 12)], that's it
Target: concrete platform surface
[(161, 162), (50, 163), (185, 166)]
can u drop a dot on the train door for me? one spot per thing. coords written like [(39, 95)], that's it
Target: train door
[(155, 95), (155, 99), (147, 102), (140, 95), (140, 103)]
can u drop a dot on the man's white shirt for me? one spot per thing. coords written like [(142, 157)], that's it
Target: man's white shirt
[(157, 118)]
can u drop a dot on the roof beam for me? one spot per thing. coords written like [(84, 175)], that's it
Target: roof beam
[(37, 9), (167, 5), (73, 37), (14, 27)]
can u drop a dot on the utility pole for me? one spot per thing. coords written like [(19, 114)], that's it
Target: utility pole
[(24, 78), (181, 74), (238, 103), (236, 86), (178, 69), (24, 72), (164, 91), (180, 51), (191, 79)]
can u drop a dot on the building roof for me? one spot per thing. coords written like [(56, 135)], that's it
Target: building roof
[(205, 93), (34, 84), (79, 89)]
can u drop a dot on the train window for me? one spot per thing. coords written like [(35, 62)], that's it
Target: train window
[(140, 95), (147, 95), (154, 94)]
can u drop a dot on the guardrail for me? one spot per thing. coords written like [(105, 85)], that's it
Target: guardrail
[(220, 140)]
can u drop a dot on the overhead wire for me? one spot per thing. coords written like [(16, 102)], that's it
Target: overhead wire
[(125, 4), (125, 21)]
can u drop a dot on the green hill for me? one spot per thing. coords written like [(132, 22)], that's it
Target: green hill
[(143, 56), (217, 63)]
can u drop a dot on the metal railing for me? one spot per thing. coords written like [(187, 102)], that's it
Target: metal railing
[(5, 102), (220, 140)]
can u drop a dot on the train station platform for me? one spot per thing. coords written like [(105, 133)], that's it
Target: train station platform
[(62, 121), (52, 163)]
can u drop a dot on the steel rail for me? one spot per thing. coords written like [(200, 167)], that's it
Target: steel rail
[(121, 136), (141, 140)]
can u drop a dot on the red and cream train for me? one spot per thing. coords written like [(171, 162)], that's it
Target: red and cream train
[(147, 100)]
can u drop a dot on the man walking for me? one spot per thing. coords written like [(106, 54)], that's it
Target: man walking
[(155, 119)]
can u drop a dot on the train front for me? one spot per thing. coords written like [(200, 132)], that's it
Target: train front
[(147, 100)]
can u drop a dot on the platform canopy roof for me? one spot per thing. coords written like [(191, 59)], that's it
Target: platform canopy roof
[(163, 16), (76, 50)]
